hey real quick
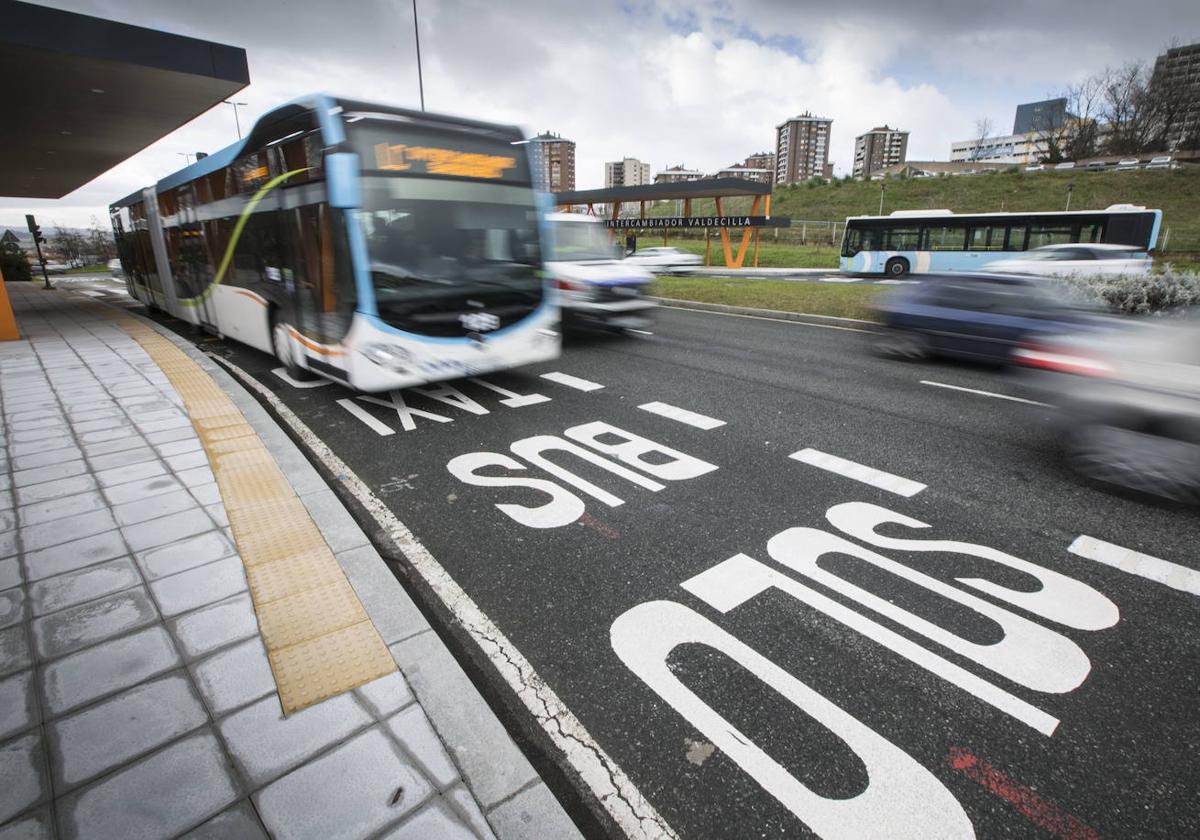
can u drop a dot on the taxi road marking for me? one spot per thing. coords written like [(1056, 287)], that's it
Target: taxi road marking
[(682, 415), (858, 472), (365, 416), (1136, 563)]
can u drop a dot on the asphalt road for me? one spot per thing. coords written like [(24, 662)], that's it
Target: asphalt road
[(895, 689)]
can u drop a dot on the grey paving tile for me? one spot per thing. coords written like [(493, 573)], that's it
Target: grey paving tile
[(126, 458), (35, 825), (56, 489), (467, 808), (161, 796), (132, 513), (74, 555), (336, 524), (18, 449), (67, 529), (197, 476), (6, 499), (179, 447), (61, 507), (265, 744), (145, 488), (55, 593), (218, 515), (202, 585), (216, 625), (237, 823), (532, 814), (492, 765), (14, 650), (166, 529), (104, 455), (188, 460), (133, 472), (47, 458), (8, 520), (108, 734), (181, 433), (150, 427), (392, 612), (184, 554), (415, 733), (235, 676), (111, 666), (115, 429), (22, 775), (40, 475), (46, 431), (436, 821), (207, 494), (10, 569), (386, 695), (12, 605), (57, 634), (18, 705), (370, 771)]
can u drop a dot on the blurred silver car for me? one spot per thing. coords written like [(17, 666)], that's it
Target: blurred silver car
[(1075, 259), (1129, 400)]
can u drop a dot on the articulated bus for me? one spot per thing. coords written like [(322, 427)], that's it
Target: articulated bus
[(377, 247), (921, 241)]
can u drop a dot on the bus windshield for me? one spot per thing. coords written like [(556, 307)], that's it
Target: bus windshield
[(431, 237), (581, 241)]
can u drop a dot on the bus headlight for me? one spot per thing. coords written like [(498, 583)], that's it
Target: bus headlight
[(390, 356)]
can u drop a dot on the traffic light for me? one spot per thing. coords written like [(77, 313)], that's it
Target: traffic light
[(34, 229)]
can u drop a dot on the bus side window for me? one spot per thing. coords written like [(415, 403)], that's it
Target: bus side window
[(1018, 238), (946, 237)]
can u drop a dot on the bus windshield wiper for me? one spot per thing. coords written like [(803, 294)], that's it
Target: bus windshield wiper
[(401, 277)]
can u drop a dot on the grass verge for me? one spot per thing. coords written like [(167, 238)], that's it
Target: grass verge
[(841, 301)]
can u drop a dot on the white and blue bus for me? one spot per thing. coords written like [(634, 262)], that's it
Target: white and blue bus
[(921, 241), (377, 247)]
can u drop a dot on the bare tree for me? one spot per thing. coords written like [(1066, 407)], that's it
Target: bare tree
[(1083, 109), (70, 245), (983, 130), (101, 247), (1051, 131), (1128, 109)]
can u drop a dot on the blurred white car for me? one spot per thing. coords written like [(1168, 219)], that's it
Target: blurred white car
[(663, 258), (114, 268), (1127, 163), (1075, 259), (1066, 164), (1161, 162), (596, 287)]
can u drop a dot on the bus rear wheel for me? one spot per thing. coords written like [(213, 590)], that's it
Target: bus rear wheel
[(282, 345), (896, 267)]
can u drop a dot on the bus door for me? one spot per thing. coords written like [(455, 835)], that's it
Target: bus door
[(320, 276), (197, 266)]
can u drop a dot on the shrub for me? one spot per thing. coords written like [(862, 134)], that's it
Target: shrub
[(15, 267), (1167, 293)]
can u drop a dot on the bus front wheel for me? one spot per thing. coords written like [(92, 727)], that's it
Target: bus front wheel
[(896, 267), (282, 346)]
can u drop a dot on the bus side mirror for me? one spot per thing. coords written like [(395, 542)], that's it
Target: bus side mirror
[(341, 180)]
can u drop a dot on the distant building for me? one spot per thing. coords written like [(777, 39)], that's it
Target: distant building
[(748, 173), (761, 160), (1029, 147), (553, 162), (629, 172), (802, 149), (1177, 74), (1045, 116), (878, 148), (676, 174)]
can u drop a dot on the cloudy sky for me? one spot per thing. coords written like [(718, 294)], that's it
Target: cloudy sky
[(697, 82)]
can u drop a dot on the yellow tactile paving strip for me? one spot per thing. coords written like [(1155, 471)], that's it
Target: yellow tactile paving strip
[(319, 639)]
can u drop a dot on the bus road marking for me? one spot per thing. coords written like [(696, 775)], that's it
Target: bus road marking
[(985, 393), (365, 416), (858, 472), (682, 415), (572, 381), (1136, 563)]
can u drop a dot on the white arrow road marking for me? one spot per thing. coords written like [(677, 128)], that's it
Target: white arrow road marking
[(1136, 563), (572, 381), (858, 472), (682, 415)]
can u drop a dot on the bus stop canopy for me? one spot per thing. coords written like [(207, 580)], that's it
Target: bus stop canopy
[(80, 94), (705, 188)]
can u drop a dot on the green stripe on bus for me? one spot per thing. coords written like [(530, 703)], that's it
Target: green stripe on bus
[(237, 233)]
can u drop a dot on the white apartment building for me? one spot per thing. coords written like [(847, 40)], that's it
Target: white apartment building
[(1010, 148), (628, 172)]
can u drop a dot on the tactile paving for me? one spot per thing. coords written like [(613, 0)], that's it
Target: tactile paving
[(319, 639)]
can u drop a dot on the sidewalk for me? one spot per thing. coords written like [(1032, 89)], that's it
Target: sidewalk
[(174, 574)]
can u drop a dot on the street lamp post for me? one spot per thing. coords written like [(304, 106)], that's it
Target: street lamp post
[(1070, 187), (417, 38), (882, 186), (236, 121)]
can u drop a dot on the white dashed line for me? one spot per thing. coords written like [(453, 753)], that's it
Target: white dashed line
[(365, 416), (682, 415), (985, 393), (572, 381), (639, 332), (858, 472), (1136, 563)]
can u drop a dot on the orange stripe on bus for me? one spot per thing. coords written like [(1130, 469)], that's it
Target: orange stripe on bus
[(312, 345)]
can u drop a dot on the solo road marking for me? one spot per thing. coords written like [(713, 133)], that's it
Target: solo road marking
[(858, 472)]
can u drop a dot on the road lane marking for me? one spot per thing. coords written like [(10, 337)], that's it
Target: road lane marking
[(775, 320), (365, 416), (1136, 563), (682, 415), (572, 381), (639, 332), (985, 393), (299, 383), (858, 472), (613, 789)]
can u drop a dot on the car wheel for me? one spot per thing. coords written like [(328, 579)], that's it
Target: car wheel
[(896, 267), (901, 344), (282, 346), (1151, 464)]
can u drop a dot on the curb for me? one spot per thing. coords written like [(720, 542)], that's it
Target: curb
[(505, 784), (778, 315)]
